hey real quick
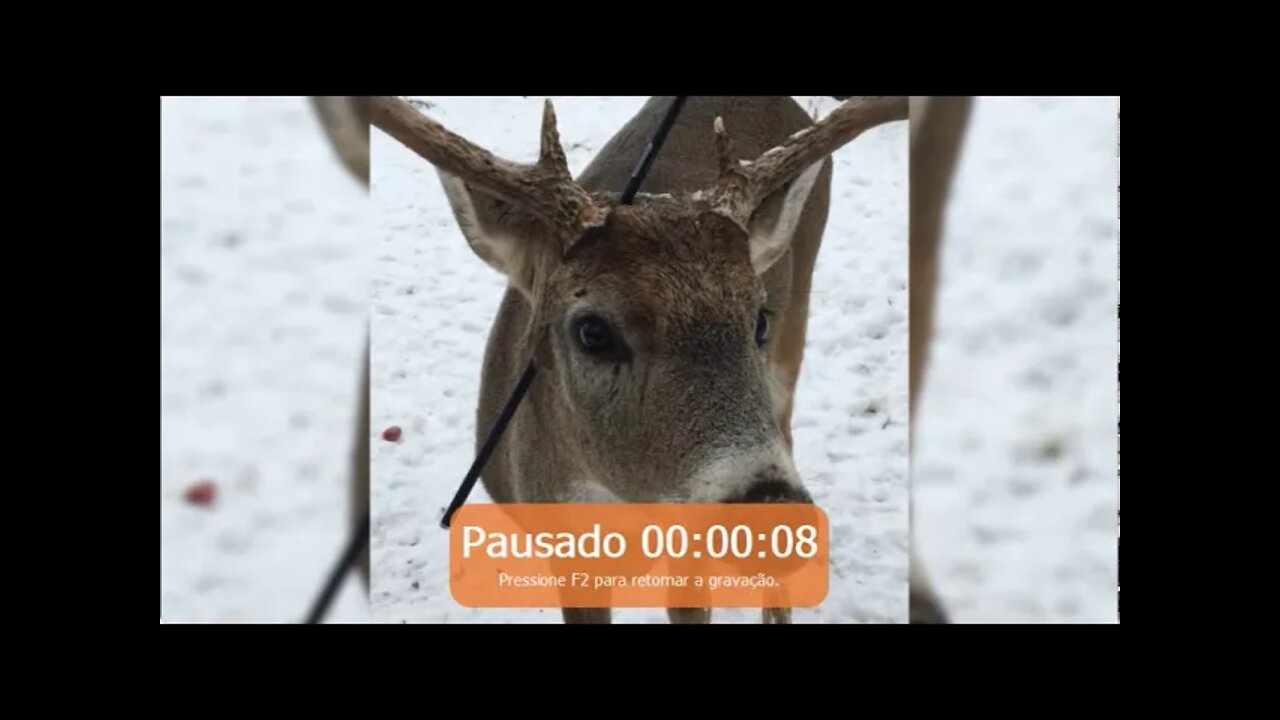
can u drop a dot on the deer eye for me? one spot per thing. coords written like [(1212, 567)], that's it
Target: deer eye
[(594, 337), (762, 328)]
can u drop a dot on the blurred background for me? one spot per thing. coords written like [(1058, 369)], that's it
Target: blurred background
[(263, 308), (1015, 479)]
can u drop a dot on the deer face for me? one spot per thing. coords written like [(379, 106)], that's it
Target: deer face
[(653, 330), (657, 331)]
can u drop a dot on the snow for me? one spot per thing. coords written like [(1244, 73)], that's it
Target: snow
[(433, 301), (263, 303), (1016, 482)]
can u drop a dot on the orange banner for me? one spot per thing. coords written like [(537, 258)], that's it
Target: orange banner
[(638, 555)]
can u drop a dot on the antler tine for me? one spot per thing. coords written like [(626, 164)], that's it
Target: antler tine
[(738, 194), (552, 154), (544, 189), (724, 149)]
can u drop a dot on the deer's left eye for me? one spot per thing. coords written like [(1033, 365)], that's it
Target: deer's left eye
[(762, 328), (593, 336)]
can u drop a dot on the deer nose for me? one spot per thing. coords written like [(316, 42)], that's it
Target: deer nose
[(772, 491)]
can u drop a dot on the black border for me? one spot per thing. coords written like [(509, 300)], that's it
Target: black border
[(121, 288)]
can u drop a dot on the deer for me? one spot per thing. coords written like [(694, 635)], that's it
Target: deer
[(669, 333), (937, 133)]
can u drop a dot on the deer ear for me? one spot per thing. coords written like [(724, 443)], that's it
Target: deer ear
[(774, 223), (499, 234)]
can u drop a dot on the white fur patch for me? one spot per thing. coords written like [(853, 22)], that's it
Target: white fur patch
[(496, 250), (770, 244), (590, 491), (730, 475), (778, 384)]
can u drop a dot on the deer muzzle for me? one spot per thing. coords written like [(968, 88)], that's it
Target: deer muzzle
[(763, 475)]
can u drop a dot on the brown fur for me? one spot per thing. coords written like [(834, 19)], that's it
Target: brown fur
[(688, 161)]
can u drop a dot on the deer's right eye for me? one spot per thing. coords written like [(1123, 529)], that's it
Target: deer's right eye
[(595, 337)]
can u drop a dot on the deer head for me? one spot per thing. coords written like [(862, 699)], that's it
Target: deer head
[(650, 321)]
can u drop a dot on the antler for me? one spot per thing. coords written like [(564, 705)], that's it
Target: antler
[(741, 188), (544, 189)]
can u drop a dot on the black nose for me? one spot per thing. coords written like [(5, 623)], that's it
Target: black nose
[(772, 491)]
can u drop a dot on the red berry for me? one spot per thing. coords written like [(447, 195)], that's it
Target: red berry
[(391, 434), (201, 493)]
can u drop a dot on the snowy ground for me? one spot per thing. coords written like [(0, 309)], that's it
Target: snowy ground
[(433, 301), (263, 304), (1016, 487)]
